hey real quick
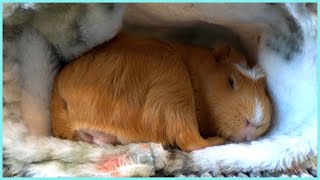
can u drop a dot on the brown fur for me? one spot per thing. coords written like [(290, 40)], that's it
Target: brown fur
[(143, 90)]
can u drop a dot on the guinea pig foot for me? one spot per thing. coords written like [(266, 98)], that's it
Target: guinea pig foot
[(202, 143), (96, 137), (216, 141)]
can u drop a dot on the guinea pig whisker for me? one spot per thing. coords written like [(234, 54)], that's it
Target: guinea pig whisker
[(262, 125)]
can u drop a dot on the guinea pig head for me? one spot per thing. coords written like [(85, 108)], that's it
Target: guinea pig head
[(238, 103)]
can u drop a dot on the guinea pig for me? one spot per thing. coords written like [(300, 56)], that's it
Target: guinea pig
[(133, 89)]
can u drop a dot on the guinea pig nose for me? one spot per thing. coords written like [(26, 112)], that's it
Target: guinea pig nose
[(247, 122)]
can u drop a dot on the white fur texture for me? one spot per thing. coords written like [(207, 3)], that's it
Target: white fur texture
[(258, 112), (36, 77), (39, 48), (293, 87), (63, 158)]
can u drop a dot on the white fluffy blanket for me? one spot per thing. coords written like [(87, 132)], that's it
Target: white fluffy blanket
[(39, 37)]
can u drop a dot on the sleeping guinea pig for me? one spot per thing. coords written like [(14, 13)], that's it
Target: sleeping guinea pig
[(142, 90)]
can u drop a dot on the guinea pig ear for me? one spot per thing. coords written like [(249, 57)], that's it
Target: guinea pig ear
[(258, 73), (221, 52)]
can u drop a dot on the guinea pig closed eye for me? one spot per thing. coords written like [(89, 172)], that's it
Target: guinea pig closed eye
[(143, 90)]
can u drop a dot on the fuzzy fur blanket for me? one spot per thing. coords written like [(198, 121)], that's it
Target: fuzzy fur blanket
[(39, 38)]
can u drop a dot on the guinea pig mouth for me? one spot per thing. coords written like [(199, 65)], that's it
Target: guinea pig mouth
[(242, 138), (250, 138), (237, 139)]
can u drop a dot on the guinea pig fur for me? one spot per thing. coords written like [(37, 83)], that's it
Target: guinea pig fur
[(143, 90)]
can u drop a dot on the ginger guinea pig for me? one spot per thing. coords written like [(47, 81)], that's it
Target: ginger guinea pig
[(142, 90)]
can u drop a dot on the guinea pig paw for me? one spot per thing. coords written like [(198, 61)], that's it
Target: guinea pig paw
[(216, 141)]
